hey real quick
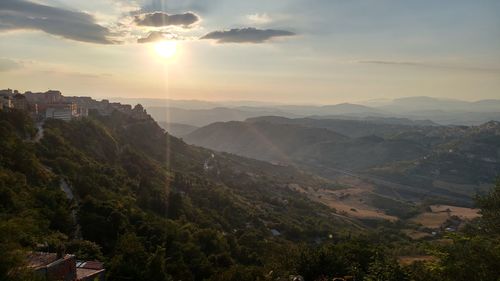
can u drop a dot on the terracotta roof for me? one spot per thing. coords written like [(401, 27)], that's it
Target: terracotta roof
[(37, 260), (89, 264), (85, 269)]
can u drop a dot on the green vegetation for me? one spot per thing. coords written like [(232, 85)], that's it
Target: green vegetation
[(393, 207), (427, 159), (153, 208)]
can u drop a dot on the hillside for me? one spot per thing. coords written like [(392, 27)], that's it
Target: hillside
[(349, 126), (138, 193), (177, 129), (451, 163), (121, 190), (260, 140)]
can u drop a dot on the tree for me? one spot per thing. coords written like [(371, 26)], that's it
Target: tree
[(174, 205), (155, 270), (384, 269), (490, 210), (471, 258), (130, 259)]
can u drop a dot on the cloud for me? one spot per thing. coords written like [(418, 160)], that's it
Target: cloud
[(56, 72), (155, 36), (390, 62), (259, 18), (158, 19), (73, 25), (179, 6), (246, 35), (432, 65), (9, 65)]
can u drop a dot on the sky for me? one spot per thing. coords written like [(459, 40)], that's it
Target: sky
[(286, 51)]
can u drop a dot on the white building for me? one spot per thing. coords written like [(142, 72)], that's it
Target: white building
[(62, 111), (6, 102)]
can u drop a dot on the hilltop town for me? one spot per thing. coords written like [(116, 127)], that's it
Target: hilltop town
[(52, 104)]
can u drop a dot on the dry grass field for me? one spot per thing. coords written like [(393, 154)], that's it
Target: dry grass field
[(440, 213), (461, 212), (351, 202), (354, 201)]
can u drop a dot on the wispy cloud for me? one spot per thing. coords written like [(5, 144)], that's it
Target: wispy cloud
[(74, 25), (430, 65), (35, 67), (389, 62), (246, 35), (259, 18), (155, 36), (58, 72), (9, 65)]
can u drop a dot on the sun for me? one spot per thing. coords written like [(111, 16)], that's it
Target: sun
[(166, 49)]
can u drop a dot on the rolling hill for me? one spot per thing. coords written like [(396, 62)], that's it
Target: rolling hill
[(449, 162)]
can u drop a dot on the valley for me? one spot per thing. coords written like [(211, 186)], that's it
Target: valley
[(238, 194), (222, 140), (381, 171)]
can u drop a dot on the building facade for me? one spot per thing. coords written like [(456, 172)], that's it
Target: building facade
[(61, 111), (19, 102)]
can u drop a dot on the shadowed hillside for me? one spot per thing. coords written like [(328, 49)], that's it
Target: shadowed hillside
[(449, 162)]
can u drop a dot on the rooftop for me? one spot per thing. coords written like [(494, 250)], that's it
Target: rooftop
[(85, 269), (36, 260)]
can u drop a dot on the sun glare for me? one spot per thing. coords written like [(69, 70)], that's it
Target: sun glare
[(166, 49)]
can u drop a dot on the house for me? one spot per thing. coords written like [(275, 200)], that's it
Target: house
[(61, 111), (82, 111), (6, 102), (8, 92), (19, 102), (90, 271), (6, 98), (50, 96), (52, 266), (64, 267)]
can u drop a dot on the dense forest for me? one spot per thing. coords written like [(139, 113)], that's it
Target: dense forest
[(154, 208)]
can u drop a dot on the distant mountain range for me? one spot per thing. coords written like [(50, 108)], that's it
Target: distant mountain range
[(421, 109), (202, 117), (430, 104), (176, 129)]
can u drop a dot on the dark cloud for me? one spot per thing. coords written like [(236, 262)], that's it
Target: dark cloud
[(156, 36), (163, 19), (8, 65), (74, 25), (179, 6), (246, 35)]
